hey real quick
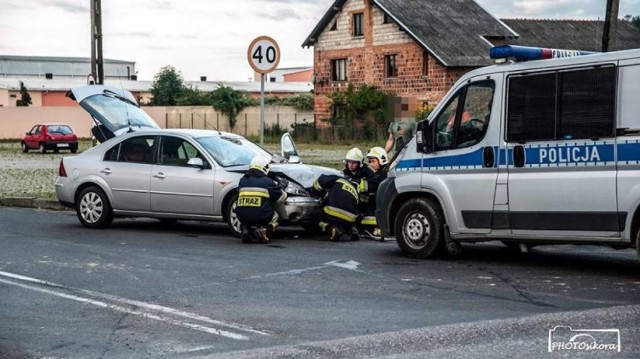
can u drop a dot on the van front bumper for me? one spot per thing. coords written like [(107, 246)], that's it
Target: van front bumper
[(385, 196)]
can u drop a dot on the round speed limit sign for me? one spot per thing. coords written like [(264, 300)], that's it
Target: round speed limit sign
[(263, 54)]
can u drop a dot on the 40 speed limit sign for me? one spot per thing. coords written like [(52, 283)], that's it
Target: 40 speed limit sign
[(263, 54)]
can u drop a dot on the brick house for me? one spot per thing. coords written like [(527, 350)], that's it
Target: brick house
[(415, 49)]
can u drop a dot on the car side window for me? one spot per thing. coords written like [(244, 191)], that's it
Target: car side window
[(176, 151), (136, 149), (445, 123)]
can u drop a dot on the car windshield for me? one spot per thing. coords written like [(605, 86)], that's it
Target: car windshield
[(62, 130), (115, 113), (232, 151)]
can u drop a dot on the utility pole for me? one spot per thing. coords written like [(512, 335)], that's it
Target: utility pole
[(97, 67), (610, 25)]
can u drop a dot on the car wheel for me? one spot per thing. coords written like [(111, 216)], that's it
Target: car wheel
[(56, 151), (420, 228), (42, 149), (93, 208), (235, 227), (74, 150), (25, 149)]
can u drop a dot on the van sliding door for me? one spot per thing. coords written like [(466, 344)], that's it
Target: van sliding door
[(561, 139)]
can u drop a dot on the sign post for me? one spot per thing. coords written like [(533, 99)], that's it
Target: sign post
[(263, 55)]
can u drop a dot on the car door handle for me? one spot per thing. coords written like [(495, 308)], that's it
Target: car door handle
[(159, 175), (106, 171)]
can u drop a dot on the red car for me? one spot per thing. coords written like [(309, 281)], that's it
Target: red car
[(50, 136)]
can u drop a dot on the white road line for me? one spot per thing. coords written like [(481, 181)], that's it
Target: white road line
[(130, 311), (148, 306)]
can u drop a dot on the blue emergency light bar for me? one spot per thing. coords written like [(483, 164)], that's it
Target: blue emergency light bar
[(523, 53)]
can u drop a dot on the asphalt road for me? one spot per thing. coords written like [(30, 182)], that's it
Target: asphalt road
[(140, 289)]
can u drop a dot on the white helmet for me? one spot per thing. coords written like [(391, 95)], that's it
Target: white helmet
[(354, 154), (261, 163), (380, 154)]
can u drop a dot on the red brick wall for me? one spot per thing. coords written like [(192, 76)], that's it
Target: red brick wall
[(367, 65)]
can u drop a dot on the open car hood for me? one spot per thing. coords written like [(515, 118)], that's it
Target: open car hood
[(114, 109), (302, 173)]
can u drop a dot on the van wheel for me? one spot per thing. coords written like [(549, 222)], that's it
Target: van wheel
[(93, 208), (420, 228), (24, 147), (235, 227)]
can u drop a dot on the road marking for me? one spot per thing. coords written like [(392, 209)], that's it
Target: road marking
[(347, 264), (135, 303)]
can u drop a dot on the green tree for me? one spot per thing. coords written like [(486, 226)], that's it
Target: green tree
[(301, 102), (230, 102), (168, 85), (25, 97), (634, 20), (193, 97), (359, 104)]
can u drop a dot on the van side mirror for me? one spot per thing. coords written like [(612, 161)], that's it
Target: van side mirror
[(424, 137)]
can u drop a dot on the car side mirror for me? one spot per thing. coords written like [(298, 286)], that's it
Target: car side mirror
[(287, 147), (294, 159), (196, 162), (424, 137), (27, 133)]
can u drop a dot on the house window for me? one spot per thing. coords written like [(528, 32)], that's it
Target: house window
[(386, 19), (357, 24), (391, 68), (339, 70), (334, 27), (425, 64)]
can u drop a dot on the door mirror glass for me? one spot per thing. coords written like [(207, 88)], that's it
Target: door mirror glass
[(424, 137)]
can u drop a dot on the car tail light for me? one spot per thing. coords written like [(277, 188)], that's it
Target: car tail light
[(61, 171)]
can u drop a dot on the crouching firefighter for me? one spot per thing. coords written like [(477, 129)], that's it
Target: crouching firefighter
[(258, 196), (368, 187), (340, 206), (354, 168)]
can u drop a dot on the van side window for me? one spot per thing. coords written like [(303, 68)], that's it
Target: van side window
[(465, 119), (563, 105)]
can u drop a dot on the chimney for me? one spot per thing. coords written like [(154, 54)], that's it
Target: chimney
[(203, 78)]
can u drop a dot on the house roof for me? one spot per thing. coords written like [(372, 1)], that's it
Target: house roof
[(583, 35), (454, 31)]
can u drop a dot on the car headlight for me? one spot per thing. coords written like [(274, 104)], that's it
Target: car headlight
[(291, 187)]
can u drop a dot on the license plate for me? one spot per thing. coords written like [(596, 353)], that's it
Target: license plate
[(63, 145)]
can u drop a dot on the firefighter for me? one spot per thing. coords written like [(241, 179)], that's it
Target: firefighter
[(340, 206), (258, 195), (354, 168), (378, 161)]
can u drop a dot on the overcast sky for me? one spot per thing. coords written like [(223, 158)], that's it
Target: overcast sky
[(209, 37)]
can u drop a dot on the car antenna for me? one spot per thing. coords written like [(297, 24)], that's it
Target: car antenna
[(204, 118)]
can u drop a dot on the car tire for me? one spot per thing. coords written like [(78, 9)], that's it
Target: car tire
[(420, 229), (25, 149), (235, 228), (42, 149), (74, 150), (93, 208)]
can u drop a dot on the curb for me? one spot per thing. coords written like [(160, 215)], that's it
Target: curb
[(32, 202)]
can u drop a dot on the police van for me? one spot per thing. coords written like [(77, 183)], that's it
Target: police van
[(530, 152)]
